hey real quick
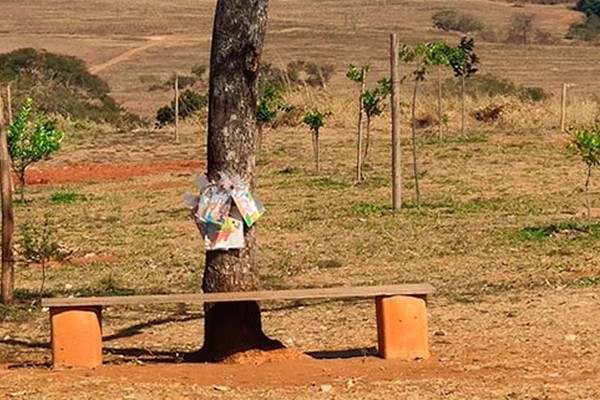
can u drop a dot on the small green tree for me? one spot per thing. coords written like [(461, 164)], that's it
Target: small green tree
[(586, 144), (315, 120), (439, 55), (39, 245), (359, 76), (373, 105), (31, 138), (270, 103), (463, 61), (419, 56)]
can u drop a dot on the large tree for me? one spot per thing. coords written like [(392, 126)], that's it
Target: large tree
[(237, 43)]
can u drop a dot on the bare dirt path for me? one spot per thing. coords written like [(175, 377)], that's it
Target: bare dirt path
[(152, 41)]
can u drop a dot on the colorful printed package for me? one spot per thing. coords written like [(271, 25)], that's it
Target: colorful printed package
[(250, 208)]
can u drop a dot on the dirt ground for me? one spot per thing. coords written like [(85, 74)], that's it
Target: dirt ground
[(531, 344), (77, 173), (494, 349), (515, 316)]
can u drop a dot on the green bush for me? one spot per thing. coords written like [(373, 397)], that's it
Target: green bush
[(587, 30), (61, 85), (589, 7), (452, 20), (190, 102)]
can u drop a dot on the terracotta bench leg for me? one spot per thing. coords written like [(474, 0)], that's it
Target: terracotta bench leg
[(76, 334), (402, 327)]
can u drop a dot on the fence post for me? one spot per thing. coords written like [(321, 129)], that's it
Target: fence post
[(7, 281), (563, 107), (396, 149)]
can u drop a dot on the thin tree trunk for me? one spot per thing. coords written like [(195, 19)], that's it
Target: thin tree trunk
[(414, 143), (238, 36), (588, 203), (440, 133), (317, 152), (176, 90), (9, 104), (367, 142), (22, 182), (7, 283), (359, 162), (44, 265), (462, 105)]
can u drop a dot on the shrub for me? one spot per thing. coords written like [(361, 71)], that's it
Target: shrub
[(190, 102), (60, 84), (492, 86), (306, 73), (587, 30), (452, 20), (165, 116), (533, 94), (589, 7), (296, 74), (489, 113)]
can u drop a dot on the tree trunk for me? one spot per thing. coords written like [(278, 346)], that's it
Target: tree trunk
[(317, 152), (414, 143), (462, 105), (9, 104), (439, 96), (367, 142), (359, 162), (588, 203), (22, 183), (176, 94), (238, 36), (7, 286)]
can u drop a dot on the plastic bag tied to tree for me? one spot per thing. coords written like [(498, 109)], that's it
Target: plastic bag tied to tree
[(221, 210)]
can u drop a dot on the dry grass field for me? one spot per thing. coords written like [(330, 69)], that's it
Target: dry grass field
[(501, 233)]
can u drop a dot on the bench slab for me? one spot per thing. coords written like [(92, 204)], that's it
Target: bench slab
[(411, 289)]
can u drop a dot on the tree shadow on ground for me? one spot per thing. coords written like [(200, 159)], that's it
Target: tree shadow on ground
[(137, 328)]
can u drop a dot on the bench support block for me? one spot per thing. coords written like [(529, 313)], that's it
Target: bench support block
[(76, 334), (402, 327)]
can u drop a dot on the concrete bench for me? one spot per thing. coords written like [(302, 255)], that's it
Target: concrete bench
[(76, 322)]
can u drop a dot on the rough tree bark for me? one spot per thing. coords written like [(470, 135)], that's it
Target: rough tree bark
[(238, 36)]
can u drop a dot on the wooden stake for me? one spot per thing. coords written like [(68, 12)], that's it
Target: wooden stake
[(396, 149), (7, 282), (176, 108)]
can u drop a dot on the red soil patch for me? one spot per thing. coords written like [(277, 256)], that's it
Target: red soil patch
[(77, 173)]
